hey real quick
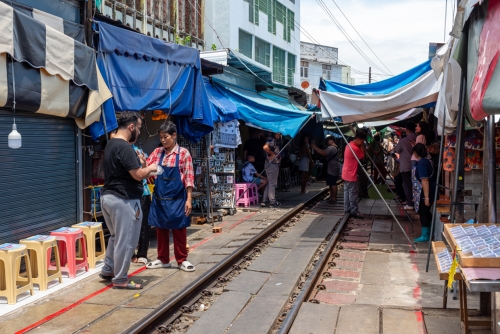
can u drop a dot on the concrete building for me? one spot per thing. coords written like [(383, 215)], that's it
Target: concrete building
[(321, 61), (260, 35)]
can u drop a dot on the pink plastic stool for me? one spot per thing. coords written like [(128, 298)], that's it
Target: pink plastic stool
[(248, 197), (67, 237)]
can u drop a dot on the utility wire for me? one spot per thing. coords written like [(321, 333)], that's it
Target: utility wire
[(344, 32), (361, 37)]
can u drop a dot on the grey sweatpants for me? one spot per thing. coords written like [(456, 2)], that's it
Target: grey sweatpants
[(272, 178), (125, 228), (351, 197)]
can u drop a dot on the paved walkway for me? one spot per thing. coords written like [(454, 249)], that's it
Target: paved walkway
[(379, 285)]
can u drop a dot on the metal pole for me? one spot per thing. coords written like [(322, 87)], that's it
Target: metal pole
[(459, 157), (411, 242), (436, 191), (492, 184), (385, 181), (210, 210)]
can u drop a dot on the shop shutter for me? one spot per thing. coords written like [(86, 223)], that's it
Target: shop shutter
[(38, 180)]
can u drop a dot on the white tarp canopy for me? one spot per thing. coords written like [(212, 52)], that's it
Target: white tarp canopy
[(382, 100)]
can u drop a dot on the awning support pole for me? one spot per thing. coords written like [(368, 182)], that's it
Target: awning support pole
[(492, 184), (459, 159), (385, 182), (440, 166), (411, 242)]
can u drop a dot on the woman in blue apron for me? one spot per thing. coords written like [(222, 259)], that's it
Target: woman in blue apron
[(171, 204)]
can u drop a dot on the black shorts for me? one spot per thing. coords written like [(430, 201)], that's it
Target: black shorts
[(331, 180)]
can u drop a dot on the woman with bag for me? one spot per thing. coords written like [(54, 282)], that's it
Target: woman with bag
[(171, 204)]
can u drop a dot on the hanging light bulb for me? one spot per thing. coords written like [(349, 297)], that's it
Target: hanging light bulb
[(15, 139)]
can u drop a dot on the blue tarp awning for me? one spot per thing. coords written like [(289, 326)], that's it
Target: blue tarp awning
[(381, 87), (260, 112), (223, 110), (146, 74)]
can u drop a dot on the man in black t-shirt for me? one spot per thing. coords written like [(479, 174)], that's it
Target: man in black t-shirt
[(124, 171)]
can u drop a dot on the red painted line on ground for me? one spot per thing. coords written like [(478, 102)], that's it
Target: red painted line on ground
[(107, 287), (420, 321), (75, 304)]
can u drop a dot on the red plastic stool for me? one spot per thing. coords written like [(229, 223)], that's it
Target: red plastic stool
[(248, 192), (67, 239)]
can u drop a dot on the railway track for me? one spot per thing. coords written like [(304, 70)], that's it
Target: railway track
[(197, 295)]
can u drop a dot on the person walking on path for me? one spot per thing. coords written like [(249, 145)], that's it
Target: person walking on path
[(424, 136), (332, 166), (424, 195), (272, 149), (172, 198), (304, 163), (120, 200), (141, 257), (405, 151), (350, 174)]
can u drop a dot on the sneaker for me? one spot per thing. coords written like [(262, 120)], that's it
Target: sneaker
[(275, 205), (407, 207), (358, 215), (263, 204)]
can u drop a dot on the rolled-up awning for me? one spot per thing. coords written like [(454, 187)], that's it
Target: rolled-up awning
[(145, 74), (45, 71)]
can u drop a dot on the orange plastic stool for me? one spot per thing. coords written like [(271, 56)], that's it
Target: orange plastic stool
[(90, 229), (67, 238), (12, 283), (40, 249)]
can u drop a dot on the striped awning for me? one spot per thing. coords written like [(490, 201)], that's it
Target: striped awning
[(45, 71)]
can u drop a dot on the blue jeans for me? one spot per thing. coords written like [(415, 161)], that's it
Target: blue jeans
[(351, 197)]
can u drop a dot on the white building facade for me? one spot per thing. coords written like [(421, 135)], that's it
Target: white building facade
[(261, 33), (320, 61)]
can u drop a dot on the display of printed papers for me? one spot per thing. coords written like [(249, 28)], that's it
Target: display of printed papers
[(445, 261), (480, 241)]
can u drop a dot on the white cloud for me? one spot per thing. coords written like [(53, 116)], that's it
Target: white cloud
[(399, 31)]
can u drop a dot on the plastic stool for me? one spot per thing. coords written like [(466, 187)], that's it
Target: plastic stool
[(90, 229), (40, 249), (12, 283), (248, 197), (67, 238)]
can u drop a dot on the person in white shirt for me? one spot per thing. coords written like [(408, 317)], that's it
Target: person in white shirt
[(250, 173)]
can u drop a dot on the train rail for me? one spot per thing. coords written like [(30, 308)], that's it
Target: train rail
[(160, 320)]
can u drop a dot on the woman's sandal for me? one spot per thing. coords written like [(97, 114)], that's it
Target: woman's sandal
[(186, 266)]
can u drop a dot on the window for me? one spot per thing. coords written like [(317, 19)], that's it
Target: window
[(279, 66), (304, 69), (290, 69), (275, 11), (262, 52), (245, 43), (327, 71)]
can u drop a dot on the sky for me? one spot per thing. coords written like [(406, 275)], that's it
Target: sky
[(398, 31)]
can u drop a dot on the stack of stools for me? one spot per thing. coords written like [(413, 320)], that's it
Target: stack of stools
[(40, 249), (248, 192), (67, 238), (90, 230), (12, 283)]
